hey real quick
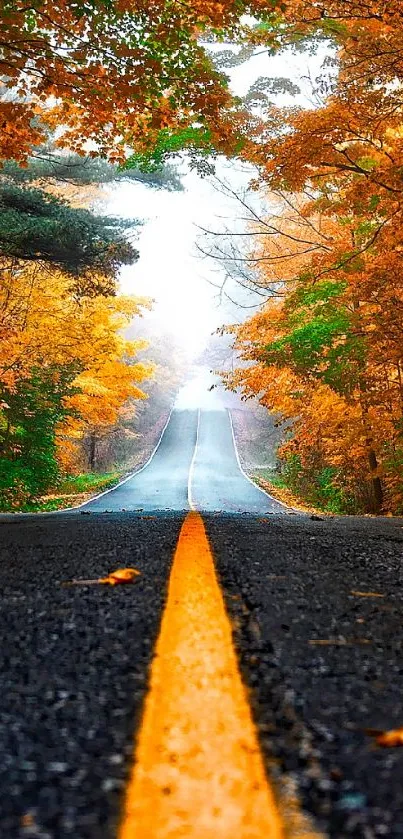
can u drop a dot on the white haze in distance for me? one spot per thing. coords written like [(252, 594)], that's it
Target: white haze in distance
[(170, 270)]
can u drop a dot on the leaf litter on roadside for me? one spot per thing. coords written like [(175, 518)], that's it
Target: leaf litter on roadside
[(118, 577)]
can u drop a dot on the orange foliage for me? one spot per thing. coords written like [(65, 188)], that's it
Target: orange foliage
[(326, 354), (329, 356), (111, 73)]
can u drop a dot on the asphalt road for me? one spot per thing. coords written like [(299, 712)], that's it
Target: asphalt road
[(74, 663), (195, 462), (163, 484), (74, 659), (289, 583)]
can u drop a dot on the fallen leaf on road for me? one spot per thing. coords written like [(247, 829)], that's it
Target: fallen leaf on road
[(394, 737), (27, 820), (121, 575), (366, 594)]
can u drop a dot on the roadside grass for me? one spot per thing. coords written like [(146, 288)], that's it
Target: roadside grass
[(89, 481), (70, 492), (276, 485)]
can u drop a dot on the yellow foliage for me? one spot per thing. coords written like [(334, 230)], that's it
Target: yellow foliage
[(43, 326)]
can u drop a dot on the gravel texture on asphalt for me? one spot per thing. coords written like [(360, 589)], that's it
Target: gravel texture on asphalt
[(288, 582), (74, 663)]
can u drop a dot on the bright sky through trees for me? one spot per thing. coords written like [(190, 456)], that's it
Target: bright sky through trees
[(170, 268)]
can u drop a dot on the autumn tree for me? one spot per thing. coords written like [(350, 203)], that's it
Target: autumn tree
[(327, 351), (115, 73), (332, 325), (65, 369)]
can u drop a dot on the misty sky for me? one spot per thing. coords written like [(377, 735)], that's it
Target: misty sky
[(170, 269)]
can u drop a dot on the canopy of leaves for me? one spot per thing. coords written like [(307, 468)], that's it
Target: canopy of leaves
[(196, 140), (112, 72), (326, 350)]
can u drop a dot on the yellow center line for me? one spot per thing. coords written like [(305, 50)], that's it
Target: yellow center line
[(198, 771)]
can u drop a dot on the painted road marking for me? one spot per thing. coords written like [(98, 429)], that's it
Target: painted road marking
[(198, 770), (241, 469), (192, 465), (128, 478)]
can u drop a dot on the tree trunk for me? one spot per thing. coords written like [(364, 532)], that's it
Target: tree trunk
[(375, 479), (92, 452), (399, 376), (376, 483)]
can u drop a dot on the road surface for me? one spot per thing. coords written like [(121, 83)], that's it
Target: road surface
[(315, 606), (195, 465)]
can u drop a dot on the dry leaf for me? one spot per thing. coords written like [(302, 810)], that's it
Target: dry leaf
[(121, 575), (27, 820), (388, 739), (366, 594)]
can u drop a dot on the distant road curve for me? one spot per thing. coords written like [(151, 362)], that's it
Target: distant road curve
[(195, 466)]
